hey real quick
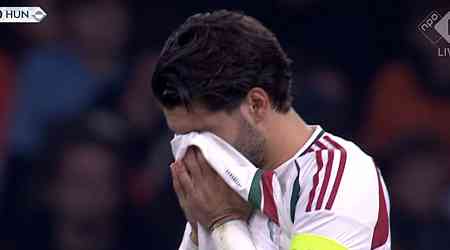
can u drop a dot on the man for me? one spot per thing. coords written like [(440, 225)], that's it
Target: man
[(225, 73)]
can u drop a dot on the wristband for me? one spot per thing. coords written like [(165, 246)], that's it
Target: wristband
[(233, 234), (221, 220)]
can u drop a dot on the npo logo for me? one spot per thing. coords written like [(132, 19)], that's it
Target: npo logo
[(435, 27)]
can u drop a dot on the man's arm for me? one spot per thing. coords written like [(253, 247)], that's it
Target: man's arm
[(187, 243), (233, 235), (230, 235), (356, 218)]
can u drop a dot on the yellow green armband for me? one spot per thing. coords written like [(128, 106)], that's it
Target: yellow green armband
[(314, 242)]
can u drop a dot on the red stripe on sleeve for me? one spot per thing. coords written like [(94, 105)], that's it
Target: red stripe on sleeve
[(381, 232), (309, 150), (340, 172), (320, 145), (315, 180), (270, 208), (326, 179)]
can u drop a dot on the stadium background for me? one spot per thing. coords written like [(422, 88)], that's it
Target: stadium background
[(84, 150)]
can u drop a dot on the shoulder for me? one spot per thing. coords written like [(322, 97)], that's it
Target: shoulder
[(339, 193), (336, 175)]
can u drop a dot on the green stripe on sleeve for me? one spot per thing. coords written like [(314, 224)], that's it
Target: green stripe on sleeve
[(254, 196)]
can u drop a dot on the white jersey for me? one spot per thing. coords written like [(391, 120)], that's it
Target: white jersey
[(330, 188)]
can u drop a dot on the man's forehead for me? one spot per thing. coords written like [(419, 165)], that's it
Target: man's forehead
[(180, 120)]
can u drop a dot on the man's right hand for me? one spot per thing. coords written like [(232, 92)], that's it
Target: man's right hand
[(181, 194)]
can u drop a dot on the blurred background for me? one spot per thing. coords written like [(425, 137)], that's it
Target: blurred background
[(84, 150)]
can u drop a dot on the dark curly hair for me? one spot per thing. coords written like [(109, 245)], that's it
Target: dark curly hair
[(214, 59)]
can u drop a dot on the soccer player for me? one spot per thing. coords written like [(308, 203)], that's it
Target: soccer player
[(224, 72)]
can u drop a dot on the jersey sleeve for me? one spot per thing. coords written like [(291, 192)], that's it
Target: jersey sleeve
[(340, 204), (233, 234), (186, 242), (331, 230)]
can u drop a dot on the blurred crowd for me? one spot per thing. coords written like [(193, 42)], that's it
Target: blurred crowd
[(84, 149)]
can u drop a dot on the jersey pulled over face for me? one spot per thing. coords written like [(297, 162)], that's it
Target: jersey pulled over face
[(232, 127)]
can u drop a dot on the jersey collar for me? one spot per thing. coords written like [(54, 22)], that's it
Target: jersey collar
[(316, 135)]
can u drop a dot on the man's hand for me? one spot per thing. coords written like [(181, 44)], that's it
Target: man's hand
[(184, 204), (202, 193)]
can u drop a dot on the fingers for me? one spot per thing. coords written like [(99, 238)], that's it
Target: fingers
[(175, 182), (203, 164), (184, 179), (192, 164)]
